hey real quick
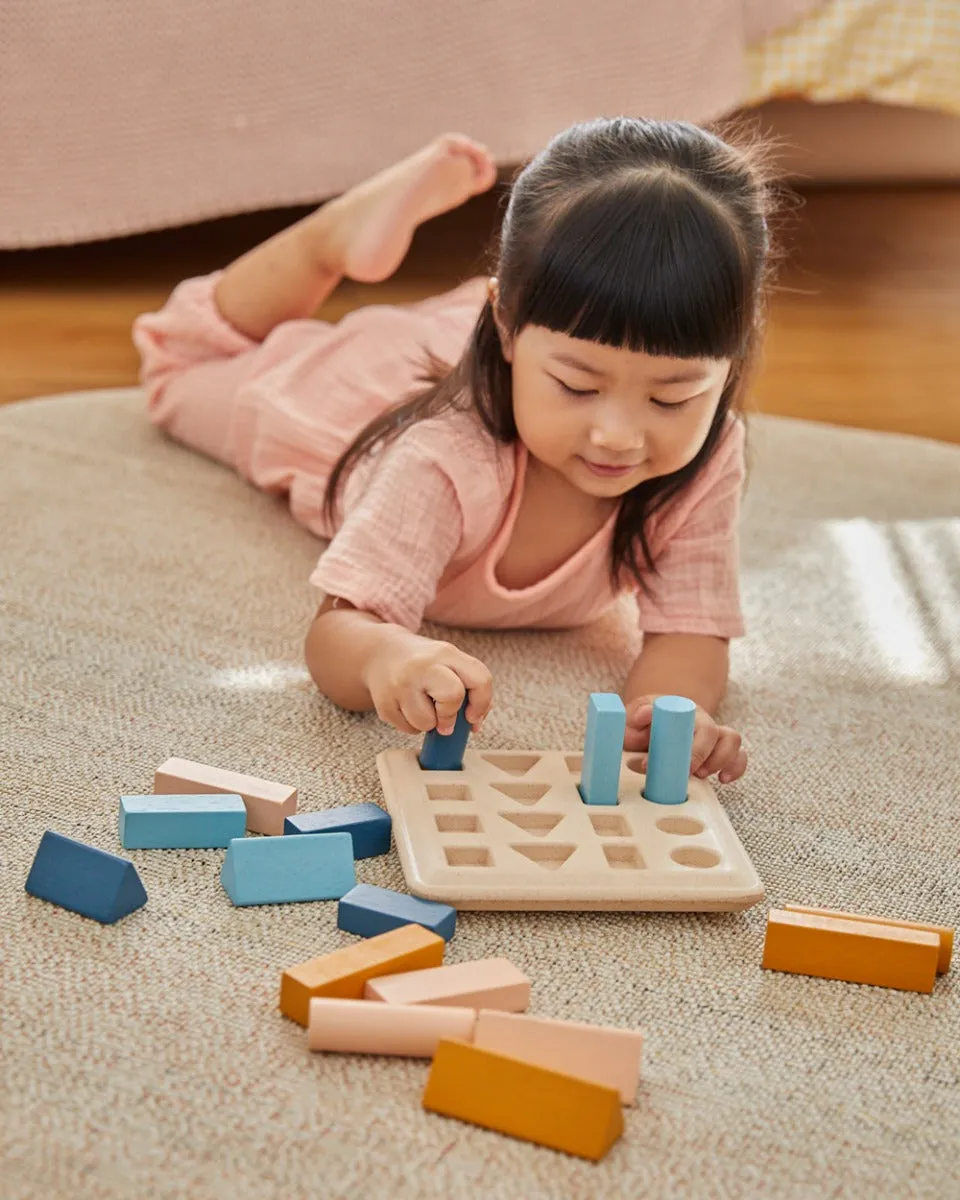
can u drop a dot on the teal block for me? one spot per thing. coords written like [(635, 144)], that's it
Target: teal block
[(196, 822), (603, 748), (284, 870), (671, 750), (85, 880)]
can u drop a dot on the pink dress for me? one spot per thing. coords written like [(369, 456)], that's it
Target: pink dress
[(424, 522)]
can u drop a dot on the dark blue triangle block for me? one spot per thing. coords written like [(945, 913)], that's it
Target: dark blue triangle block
[(85, 880), (368, 825)]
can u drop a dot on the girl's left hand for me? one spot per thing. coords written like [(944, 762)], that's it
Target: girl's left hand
[(715, 747)]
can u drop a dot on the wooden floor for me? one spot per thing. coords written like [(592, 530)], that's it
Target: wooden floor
[(864, 328)]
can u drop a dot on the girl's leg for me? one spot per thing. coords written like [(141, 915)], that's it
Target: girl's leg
[(363, 235)]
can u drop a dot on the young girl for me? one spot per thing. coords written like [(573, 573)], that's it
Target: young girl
[(586, 440)]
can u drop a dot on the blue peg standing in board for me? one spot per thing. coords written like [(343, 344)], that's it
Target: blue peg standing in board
[(671, 750), (444, 751), (603, 749)]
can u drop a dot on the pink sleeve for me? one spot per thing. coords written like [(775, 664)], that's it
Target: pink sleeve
[(396, 539), (697, 589)]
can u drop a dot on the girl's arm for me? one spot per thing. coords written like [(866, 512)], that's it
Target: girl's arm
[(680, 664), (415, 683), (341, 644)]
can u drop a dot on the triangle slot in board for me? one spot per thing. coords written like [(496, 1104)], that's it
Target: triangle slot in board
[(512, 764), (549, 855), (537, 823), (523, 793)]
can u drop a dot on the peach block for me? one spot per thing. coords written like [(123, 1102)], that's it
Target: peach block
[(359, 1027), (604, 1055), (523, 1100), (267, 803), (943, 932), (485, 983), (343, 973), (852, 951)]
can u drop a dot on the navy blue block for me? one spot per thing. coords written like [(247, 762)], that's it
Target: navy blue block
[(84, 879), (369, 910), (368, 825), (444, 752)]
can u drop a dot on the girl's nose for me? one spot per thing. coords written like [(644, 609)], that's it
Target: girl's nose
[(617, 439)]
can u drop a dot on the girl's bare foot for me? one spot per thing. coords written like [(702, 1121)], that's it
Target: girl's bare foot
[(365, 233)]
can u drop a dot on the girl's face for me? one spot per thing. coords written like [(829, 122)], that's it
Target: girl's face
[(582, 406)]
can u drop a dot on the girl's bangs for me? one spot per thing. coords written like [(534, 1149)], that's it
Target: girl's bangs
[(655, 271)]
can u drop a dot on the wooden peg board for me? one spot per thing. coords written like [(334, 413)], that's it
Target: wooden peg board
[(510, 831)]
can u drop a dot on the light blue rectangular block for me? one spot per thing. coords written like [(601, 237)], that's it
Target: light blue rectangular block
[(196, 822), (284, 870), (603, 748)]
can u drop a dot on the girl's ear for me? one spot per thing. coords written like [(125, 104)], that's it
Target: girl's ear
[(506, 339)]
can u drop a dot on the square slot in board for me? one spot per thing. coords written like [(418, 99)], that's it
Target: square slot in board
[(510, 831)]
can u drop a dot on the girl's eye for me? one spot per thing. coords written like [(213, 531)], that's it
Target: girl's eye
[(670, 403), (575, 391)]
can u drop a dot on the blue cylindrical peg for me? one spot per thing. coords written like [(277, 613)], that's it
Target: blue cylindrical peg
[(671, 750), (444, 752)]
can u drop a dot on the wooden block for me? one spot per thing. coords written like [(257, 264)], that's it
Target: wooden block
[(344, 972), (368, 910), (194, 822), (671, 750), (523, 1100), (852, 951), (288, 870), (943, 932), (267, 803), (486, 983), (603, 748), (367, 824), (444, 752), (85, 880), (357, 1027), (605, 1055)]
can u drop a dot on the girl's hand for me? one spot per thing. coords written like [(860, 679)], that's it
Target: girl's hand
[(715, 747), (419, 684)]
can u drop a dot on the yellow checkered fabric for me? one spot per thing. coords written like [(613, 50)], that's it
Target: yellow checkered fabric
[(891, 51)]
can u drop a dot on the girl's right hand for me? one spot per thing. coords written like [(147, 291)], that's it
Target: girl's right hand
[(420, 685)]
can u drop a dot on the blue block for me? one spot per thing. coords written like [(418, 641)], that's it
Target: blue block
[(603, 749), (84, 879), (369, 910), (444, 752), (282, 870), (368, 825), (671, 747), (196, 822)]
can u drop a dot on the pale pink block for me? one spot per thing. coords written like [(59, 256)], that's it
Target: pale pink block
[(267, 803), (359, 1027), (486, 983), (599, 1053)]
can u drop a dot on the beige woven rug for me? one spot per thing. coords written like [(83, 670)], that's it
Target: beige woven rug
[(153, 604)]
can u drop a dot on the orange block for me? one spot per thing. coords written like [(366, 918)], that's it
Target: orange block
[(523, 1100), (852, 951), (344, 972), (943, 932)]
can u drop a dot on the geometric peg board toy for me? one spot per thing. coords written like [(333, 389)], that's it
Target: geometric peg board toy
[(510, 831)]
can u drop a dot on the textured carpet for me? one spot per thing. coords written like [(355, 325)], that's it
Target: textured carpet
[(153, 604)]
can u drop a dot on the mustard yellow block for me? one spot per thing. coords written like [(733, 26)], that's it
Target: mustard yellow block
[(343, 973), (523, 1100), (943, 932), (852, 951)]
